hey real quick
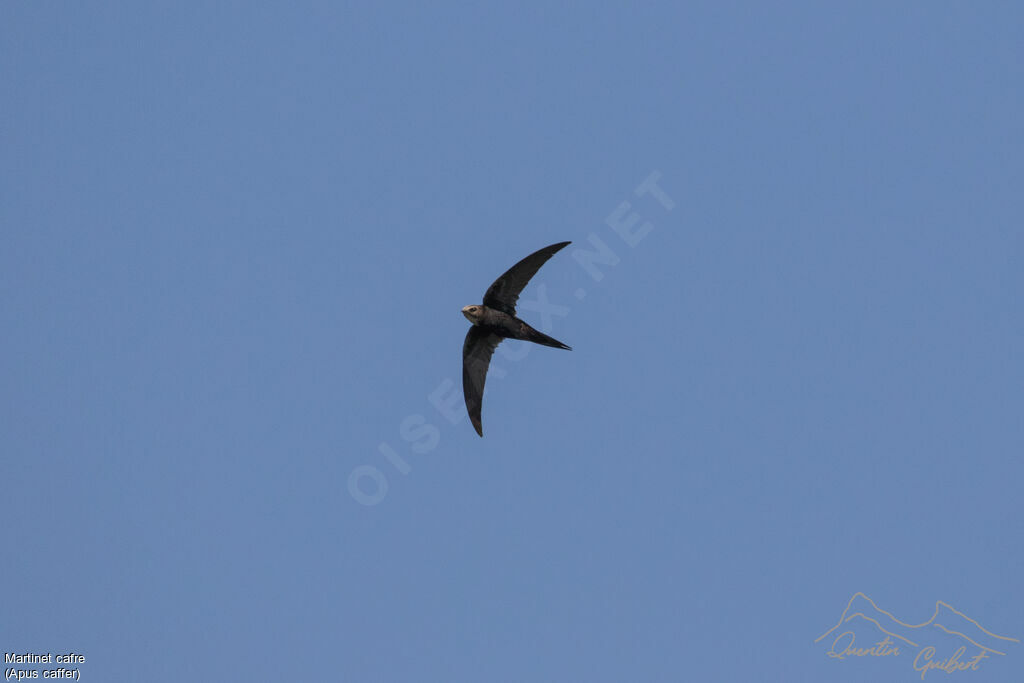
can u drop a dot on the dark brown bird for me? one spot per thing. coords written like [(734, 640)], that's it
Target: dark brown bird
[(495, 319)]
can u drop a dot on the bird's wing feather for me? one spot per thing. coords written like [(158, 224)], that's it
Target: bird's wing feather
[(476, 357), (504, 293)]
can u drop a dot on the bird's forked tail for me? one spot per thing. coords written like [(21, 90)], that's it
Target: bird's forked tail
[(541, 338)]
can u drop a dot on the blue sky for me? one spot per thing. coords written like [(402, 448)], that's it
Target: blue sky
[(236, 241)]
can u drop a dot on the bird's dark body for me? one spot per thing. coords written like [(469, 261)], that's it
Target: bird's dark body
[(494, 320), (510, 327)]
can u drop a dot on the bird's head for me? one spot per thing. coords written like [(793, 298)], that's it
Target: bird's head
[(475, 314)]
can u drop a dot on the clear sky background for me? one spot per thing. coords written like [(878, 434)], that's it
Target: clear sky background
[(235, 241)]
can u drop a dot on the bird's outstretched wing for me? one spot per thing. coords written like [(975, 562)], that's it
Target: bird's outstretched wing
[(476, 357), (504, 293)]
